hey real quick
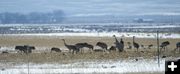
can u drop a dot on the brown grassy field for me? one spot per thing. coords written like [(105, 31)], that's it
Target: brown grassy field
[(42, 54), (55, 41)]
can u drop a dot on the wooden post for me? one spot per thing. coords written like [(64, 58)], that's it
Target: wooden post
[(27, 53), (158, 52), (28, 63)]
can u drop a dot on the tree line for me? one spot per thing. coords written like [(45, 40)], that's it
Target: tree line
[(32, 18)]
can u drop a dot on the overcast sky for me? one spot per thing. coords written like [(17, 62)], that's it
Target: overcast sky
[(94, 7)]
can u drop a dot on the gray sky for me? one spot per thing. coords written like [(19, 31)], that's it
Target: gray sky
[(94, 7)]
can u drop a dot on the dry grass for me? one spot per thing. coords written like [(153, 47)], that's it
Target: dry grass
[(65, 57), (56, 41)]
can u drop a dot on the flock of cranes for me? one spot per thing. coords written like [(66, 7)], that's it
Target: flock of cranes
[(119, 45)]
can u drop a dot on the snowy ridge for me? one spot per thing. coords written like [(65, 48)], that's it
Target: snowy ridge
[(88, 28), (105, 34)]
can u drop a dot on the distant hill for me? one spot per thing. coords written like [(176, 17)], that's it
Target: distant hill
[(122, 19), (60, 17)]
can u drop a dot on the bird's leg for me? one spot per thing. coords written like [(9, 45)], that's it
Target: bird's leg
[(73, 52), (69, 50), (137, 49), (80, 50), (76, 51), (90, 50), (163, 49), (166, 49), (120, 50), (159, 50), (174, 50)]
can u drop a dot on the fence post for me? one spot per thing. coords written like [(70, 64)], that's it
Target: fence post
[(27, 53), (158, 52)]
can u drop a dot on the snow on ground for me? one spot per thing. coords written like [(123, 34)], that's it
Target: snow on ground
[(161, 26), (12, 48), (104, 34), (93, 66)]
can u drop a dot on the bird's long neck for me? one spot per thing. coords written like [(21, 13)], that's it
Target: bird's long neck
[(116, 39), (65, 43), (122, 41), (133, 40)]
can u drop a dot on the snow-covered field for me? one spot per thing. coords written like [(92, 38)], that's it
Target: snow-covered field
[(89, 28), (105, 34), (91, 66), (141, 30)]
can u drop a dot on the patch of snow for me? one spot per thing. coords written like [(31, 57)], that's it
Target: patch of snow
[(4, 48), (118, 66)]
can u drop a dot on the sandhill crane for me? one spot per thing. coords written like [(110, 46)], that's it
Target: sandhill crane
[(55, 49), (20, 48), (142, 46), (89, 46), (5, 52), (164, 45), (122, 42), (119, 45), (178, 46), (82, 45), (71, 47), (149, 46), (136, 45), (102, 45), (26, 48), (112, 48), (129, 45)]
